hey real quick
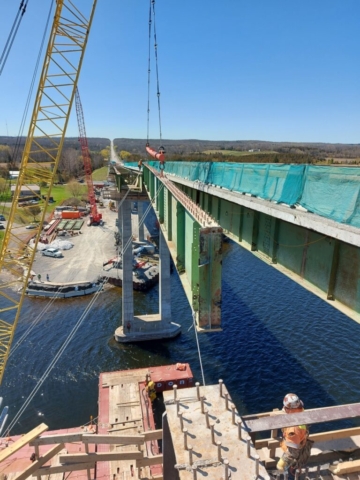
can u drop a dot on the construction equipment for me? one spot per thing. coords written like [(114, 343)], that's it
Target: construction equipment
[(54, 98), (95, 217)]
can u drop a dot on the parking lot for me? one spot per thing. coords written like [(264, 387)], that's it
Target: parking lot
[(92, 248), (84, 261)]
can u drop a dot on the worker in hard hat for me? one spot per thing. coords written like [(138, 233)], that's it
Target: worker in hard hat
[(150, 388), (296, 444)]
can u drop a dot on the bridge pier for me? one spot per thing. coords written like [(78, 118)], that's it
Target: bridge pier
[(137, 328)]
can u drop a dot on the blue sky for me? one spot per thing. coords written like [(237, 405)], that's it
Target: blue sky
[(229, 69)]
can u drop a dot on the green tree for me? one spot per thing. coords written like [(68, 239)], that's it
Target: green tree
[(34, 210), (75, 188), (125, 155)]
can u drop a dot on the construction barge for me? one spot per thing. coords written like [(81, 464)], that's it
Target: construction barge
[(63, 290), (200, 436)]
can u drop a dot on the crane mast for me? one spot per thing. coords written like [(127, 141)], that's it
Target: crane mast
[(54, 98), (95, 216)]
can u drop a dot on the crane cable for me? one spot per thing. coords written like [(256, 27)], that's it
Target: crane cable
[(73, 331), (12, 34), (56, 296), (152, 4), (35, 321), (198, 347), (16, 148)]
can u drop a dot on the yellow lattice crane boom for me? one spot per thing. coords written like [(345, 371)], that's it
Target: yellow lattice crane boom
[(58, 80)]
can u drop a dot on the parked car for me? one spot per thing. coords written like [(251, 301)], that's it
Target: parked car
[(31, 226), (2, 226), (52, 252), (34, 202), (2, 218)]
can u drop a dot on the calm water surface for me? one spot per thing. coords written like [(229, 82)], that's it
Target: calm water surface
[(277, 337)]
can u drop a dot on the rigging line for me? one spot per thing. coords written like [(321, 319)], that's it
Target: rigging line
[(58, 355), (13, 33), (149, 70), (157, 70), (42, 313), (16, 149), (35, 322), (198, 348), (64, 346)]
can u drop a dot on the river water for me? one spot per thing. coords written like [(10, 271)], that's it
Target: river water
[(277, 338)]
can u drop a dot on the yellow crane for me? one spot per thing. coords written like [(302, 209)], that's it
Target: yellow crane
[(53, 102)]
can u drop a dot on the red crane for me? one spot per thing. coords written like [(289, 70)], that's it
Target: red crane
[(95, 216)]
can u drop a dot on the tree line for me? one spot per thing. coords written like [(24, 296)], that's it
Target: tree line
[(70, 164)]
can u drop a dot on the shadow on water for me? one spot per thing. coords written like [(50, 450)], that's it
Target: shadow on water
[(277, 338)]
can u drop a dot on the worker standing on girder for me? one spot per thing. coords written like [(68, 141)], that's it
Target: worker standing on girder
[(296, 443)]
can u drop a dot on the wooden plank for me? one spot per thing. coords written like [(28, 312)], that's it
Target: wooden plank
[(120, 429), (21, 442), (153, 435), (307, 417), (70, 467), (345, 467), (54, 462), (59, 438), (117, 378), (317, 437), (123, 423), (124, 374), (126, 421), (149, 461), (115, 439), (100, 457), (124, 381), (34, 467), (335, 434)]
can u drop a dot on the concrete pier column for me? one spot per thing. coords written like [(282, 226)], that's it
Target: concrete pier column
[(142, 226), (165, 281), (127, 267)]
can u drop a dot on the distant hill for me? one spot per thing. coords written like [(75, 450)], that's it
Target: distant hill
[(70, 142), (216, 150), (252, 147)]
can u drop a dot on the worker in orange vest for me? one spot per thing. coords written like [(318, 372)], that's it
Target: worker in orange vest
[(296, 444)]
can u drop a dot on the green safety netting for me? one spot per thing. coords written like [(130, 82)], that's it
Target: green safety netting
[(332, 192)]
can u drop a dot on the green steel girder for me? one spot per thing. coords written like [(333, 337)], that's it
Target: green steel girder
[(195, 243)]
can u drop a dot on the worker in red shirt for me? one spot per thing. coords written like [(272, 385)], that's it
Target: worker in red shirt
[(295, 443)]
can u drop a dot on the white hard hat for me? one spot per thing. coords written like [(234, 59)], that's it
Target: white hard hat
[(291, 400)]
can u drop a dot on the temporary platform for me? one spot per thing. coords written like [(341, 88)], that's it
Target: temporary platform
[(198, 435), (125, 409)]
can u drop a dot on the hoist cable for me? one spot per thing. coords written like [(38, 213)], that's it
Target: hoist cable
[(71, 334), (35, 321), (11, 31), (149, 71), (12, 34), (157, 71), (16, 148), (198, 348)]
